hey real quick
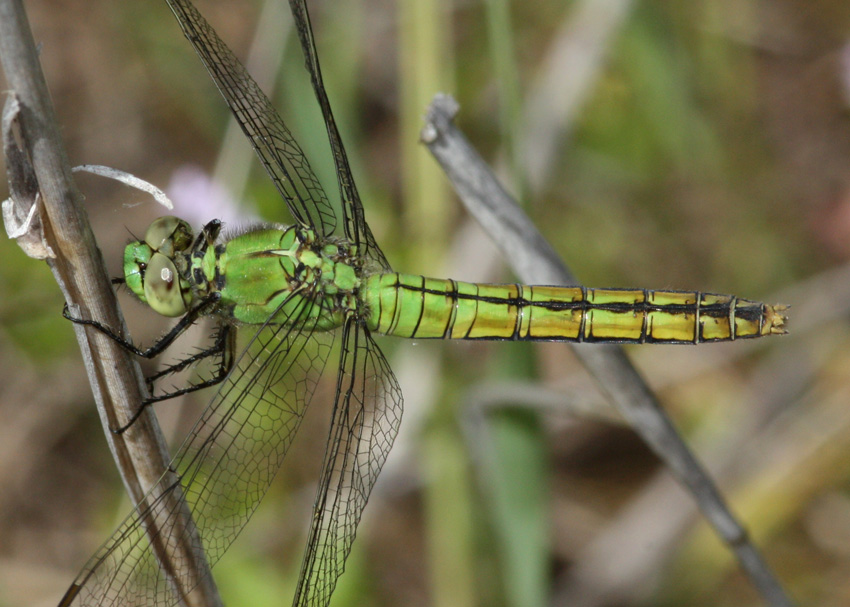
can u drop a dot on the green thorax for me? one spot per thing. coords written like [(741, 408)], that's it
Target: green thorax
[(278, 274)]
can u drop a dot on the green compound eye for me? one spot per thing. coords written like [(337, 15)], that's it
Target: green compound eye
[(162, 287), (168, 235)]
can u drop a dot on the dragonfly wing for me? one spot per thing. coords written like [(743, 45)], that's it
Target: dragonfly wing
[(356, 228), (366, 416), (277, 149), (224, 467)]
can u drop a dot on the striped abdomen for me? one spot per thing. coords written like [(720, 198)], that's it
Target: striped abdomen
[(417, 307)]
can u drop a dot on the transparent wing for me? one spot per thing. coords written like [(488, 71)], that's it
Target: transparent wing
[(366, 416), (278, 151), (224, 468), (356, 228)]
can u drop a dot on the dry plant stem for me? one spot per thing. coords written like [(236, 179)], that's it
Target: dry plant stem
[(536, 262), (140, 453)]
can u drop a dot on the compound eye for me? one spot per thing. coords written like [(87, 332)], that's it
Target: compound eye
[(162, 287), (168, 235)]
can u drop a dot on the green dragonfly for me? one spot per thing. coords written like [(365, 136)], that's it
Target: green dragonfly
[(302, 293)]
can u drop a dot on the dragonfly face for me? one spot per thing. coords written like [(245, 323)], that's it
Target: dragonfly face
[(150, 271)]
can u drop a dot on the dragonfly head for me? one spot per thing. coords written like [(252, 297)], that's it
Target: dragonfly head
[(149, 266)]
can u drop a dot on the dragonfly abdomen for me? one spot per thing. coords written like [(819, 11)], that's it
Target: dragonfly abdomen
[(417, 307)]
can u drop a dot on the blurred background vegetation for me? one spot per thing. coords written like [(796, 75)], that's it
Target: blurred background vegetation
[(700, 145)]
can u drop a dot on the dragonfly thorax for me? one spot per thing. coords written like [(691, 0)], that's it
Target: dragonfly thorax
[(268, 273)]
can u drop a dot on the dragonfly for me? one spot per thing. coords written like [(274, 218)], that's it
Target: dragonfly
[(304, 293)]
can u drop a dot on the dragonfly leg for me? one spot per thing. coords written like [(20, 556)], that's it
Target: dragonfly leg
[(223, 347), (163, 342)]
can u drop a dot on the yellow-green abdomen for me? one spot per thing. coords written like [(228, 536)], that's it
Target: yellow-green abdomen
[(416, 307)]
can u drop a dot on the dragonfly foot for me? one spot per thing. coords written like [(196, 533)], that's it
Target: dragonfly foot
[(122, 429)]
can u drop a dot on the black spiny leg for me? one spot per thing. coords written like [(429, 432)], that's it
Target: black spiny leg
[(166, 340), (223, 346)]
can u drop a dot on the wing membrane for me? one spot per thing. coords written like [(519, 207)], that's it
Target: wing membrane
[(277, 149), (356, 228), (366, 416), (221, 471)]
